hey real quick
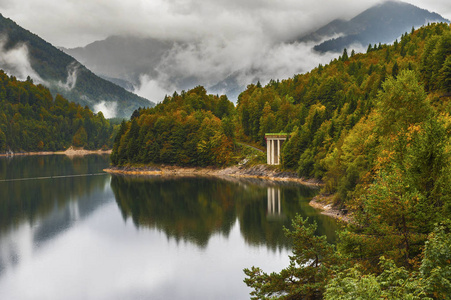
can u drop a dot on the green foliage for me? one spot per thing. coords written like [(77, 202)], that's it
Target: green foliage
[(185, 129), (433, 60), (381, 144), (393, 283), (80, 137), (31, 120), (400, 103), (431, 281), (54, 66), (409, 192), (445, 75), (436, 265), (311, 266)]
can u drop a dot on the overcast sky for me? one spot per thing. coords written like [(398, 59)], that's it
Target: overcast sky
[(242, 39), (72, 23)]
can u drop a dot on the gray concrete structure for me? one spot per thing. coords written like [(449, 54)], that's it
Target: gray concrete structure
[(274, 142)]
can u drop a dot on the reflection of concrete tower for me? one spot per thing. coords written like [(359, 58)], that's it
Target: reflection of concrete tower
[(274, 205)]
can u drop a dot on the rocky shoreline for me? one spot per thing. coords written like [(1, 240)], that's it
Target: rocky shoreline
[(265, 172), (325, 204), (259, 171)]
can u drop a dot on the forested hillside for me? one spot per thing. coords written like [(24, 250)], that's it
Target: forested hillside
[(32, 120), (191, 129), (376, 129), (347, 114), (383, 22), (61, 73)]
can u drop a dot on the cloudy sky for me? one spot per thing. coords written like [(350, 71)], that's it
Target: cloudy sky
[(242, 39), (72, 23)]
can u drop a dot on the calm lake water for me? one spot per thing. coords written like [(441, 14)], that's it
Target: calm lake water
[(70, 231)]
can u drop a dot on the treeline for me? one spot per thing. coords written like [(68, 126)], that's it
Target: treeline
[(331, 110), (376, 129), (54, 66), (191, 129), (31, 120)]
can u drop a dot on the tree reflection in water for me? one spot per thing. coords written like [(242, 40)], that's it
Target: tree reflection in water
[(194, 208), (25, 196)]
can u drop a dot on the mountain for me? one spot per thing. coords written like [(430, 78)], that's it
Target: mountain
[(156, 67), (31, 119), (124, 57), (25, 54), (382, 23), (124, 60)]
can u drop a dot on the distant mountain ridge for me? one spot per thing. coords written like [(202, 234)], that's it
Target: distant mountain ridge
[(102, 57), (382, 23), (126, 60), (24, 52)]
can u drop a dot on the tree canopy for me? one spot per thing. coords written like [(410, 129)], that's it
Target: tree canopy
[(375, 128), (191, 129), (32, 120)]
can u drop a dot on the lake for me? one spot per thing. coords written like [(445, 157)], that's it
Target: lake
[(70, 231)]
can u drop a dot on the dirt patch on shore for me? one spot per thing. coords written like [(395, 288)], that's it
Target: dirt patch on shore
[(80, 152), (325, 204), (69, 152)]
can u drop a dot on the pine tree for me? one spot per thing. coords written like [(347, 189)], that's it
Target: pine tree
[(311, 266)]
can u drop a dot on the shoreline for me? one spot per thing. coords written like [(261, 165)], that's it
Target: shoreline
[(69, 152), (263, 172), (324, 203), (257, 172)]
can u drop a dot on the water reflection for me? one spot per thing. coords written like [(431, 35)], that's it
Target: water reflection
[(194, 208), (34, 211), (274, 205), (188, 208), (183, 238)]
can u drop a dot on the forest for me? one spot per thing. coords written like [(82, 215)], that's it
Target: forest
[(55, 68), (190, 129), (32, 120), (374, 127)]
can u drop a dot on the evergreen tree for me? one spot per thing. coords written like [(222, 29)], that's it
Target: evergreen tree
[(311, 266)]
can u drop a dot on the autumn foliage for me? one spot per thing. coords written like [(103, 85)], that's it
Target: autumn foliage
[(31, 119), (191, 129), (376, 129)]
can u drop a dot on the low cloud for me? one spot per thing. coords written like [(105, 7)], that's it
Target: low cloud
[(71, 23), (72, 74), (108, 109), (217, 41), (225, 65), (154, 89), (15, 61)]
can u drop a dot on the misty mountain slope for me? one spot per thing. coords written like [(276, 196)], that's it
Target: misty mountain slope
[(382, 23), (227, 64), (130, 60), (124, 57), (26, 54)]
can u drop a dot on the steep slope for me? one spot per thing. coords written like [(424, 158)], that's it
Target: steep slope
[(32, 120), (124, 57), (382, 23), (26, 54), (150, 65)]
